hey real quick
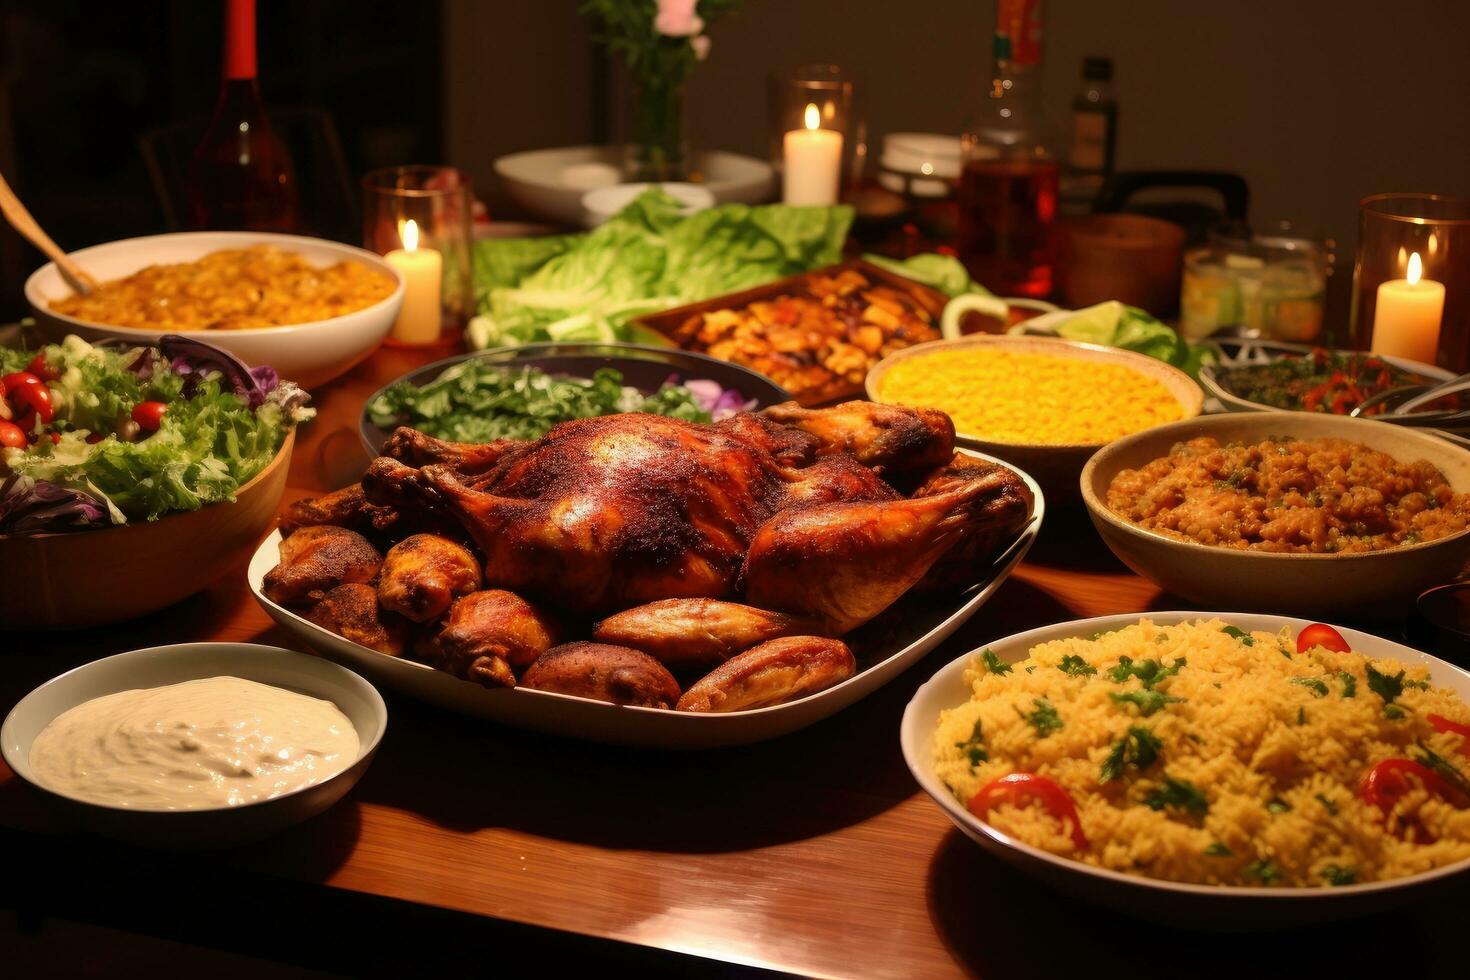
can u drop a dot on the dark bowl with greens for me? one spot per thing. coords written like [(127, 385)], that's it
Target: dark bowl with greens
[(520, 392)]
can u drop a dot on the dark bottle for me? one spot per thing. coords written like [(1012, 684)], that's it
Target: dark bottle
[(1008, 184), (1094, 125), (240, 176)]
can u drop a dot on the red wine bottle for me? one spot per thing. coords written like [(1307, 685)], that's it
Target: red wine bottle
[(240, 176)]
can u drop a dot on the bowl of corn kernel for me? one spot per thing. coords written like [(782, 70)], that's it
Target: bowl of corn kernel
[(1042, 403), (308, 307)]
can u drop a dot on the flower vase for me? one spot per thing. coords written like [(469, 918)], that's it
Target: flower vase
[(659, 152)]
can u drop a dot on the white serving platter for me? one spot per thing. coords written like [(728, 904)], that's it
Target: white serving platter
[(1204, 907), (562, 714)]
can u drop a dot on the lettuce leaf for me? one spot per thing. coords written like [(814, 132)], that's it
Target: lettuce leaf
[(943, 272), (1115, 324)]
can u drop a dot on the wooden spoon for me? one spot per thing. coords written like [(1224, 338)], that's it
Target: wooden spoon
[(20, 219)]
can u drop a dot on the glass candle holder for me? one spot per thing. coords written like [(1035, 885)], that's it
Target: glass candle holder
[(818, 141), (418, 218), (1411, 279)]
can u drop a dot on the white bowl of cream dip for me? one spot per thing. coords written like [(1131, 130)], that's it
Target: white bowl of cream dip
[(195, 744)]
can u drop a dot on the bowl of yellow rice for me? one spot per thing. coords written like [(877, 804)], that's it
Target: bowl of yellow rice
[(1205, 770), (1042, 403)]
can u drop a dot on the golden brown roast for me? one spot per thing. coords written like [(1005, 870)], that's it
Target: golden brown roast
[(773, 673), (890, 436), (486, 634), (352, 611), (604, 672), (317, 559), (695, 634), (423, 573)]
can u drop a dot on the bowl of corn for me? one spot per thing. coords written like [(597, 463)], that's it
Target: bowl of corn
[(1042, 403)]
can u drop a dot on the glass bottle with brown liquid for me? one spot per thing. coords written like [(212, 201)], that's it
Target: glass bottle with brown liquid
[(1008, 186)]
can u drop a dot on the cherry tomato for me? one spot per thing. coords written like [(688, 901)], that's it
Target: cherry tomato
[(149, 415), (1442, 724), (12, 435), (1322, 635), (1389, 781), (26, 392), (40, 369), (1020, 787)]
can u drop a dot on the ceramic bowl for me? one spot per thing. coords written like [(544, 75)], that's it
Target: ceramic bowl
[(159, 666), (1055, 467), (306, 353), (1374, 584), (1202, 907), (535, 178), (77, 579)]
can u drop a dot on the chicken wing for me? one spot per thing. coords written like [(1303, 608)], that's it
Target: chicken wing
[(422, 574), (486, 634), (845, 563), (417, 449), (352, 611), (894, 437), (772, 673), (319, 558), (604, 673), (964, 562), (347, 508), (689, 635)]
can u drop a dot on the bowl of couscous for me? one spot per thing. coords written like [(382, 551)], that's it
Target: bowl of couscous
[(1044, 404)]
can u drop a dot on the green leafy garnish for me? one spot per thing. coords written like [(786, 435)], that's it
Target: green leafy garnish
[(1282, 647), (1385, 686), (993, 663), (1278, 805), (1075, 666), (1327, 804), (1218, 850), (1138, 747), (1149, 672), (1146, 701), (1043, 717), (1178, 793), (1313, 684), (1264, 871), (1301, 716), (1337, 876), (1393, 712), (1100, 634), (1433, 760), (974, 746), (1349, 684), (1240, 635)]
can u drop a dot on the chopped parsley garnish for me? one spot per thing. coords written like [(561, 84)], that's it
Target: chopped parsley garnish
[(1218, 850), (1240, 635), (1178, 793), (1149, 672), (1043, 718), (1278, 805), (1264, 871), (1301, 716), (1327, 804), (1385, 686), (1420, 685), (1393, 712), (1337, 876), (1349, 684), (1147, 702), (1428, 757), (1075, 666), (1282, 647), (1138, 747), (1100, 634), (974, 746), (993, 663), (1315, 685), (1031, 669)]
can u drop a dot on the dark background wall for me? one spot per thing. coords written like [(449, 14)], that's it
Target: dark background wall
[(1315, 102)]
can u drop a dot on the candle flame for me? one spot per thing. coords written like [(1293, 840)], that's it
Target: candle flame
[(813, 117), (409, 232), (1416, 268)]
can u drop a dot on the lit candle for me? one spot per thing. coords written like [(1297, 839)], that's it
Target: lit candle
[(423, 274), (1407, 317), (813, 159)]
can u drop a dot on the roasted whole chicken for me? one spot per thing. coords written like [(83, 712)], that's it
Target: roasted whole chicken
[(687, 543)]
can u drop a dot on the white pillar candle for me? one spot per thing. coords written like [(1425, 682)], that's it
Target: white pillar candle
[(423, 276), (1407, 316), (812, 163)]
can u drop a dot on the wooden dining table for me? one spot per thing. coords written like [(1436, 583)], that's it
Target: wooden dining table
[(468, 845)]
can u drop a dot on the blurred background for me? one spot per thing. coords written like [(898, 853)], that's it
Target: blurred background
[(1315, 103)]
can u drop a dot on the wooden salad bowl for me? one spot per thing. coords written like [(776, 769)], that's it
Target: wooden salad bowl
[(75, 579)]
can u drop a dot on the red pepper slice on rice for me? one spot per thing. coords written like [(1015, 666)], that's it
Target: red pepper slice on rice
[(1019, 788)]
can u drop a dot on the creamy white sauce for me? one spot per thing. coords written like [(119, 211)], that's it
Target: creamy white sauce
[(203, 744)]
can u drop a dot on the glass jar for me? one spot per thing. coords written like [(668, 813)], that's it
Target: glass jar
[(1271, 285)]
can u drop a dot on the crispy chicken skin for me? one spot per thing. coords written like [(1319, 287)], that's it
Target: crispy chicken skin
[(317, 559), (352, 611), (417, 449), (844, 563), (423, 573), (604, 672), (773, 673), (893, 437), (693, 635), (347, 508), (1008, 511), (485, 635)]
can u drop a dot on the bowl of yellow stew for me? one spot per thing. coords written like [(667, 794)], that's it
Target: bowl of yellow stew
[(1041, 403)]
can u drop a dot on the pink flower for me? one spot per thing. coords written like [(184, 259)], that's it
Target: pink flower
[(676, 18), (700, 44)]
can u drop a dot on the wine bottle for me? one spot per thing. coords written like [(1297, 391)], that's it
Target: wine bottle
[(240, 176)]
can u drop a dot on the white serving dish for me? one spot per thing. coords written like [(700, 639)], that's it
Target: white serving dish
[(534, 178), (159, 666), (307, 353), (561, 714), (1203, 907)]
